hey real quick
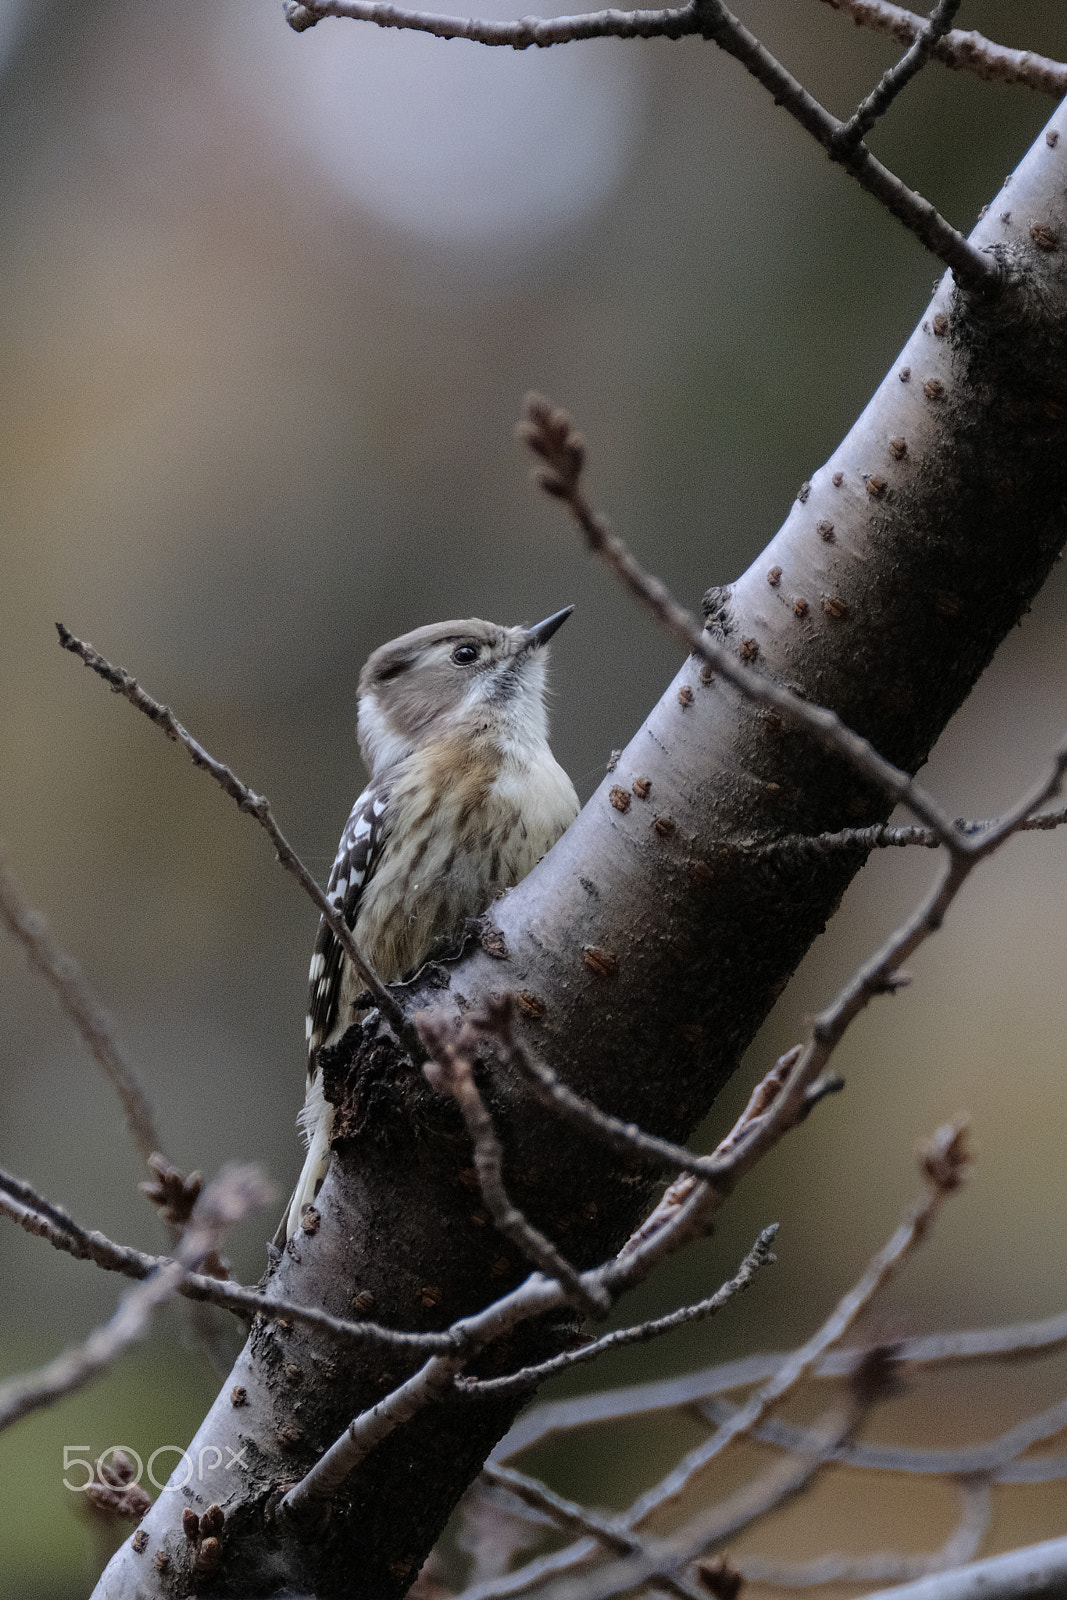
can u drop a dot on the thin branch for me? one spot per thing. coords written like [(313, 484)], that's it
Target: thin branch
[(451, 1071), (711, 1527), (257, 806), (667, 23), (759, 1256), (496, 1020), (82, 1006), (48, 1221), (996, 1461), (963, 1544), (974, 270), (881, 836), (573, 1518), (45, 1220), (234, 1195), (942, 1162), (1032, 1573), (877, 975), (960, 50), (1013, 1342), (893, 82)]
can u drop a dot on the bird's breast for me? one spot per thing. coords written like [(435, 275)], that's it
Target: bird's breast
[(464, 824)]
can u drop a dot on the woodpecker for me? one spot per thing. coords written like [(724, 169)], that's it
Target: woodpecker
[(464, 798)]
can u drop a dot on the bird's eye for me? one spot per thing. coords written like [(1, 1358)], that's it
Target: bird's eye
[(464, 654)]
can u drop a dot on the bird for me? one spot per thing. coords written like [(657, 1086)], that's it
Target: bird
[(464, 798)]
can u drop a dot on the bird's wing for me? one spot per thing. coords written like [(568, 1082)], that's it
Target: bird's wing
[(357, 855)]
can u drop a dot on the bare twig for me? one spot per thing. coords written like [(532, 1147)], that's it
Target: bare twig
[(876, 975), (882, 837), (81, 1005), (961, 50), (669, 23), (496, 1021), (48, 1221), (710, 1528), (759, 1256), (974, 270), (450, 1071), (942, 1162), (234, 1195), (891, 84), (962, 1544), (573, 1518), (256, 806), (436, 1378), (995, 1461), (1011, 1343), (539, 1294), (1033, 1573)]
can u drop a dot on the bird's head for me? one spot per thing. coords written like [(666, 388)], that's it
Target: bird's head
[(454, 676)]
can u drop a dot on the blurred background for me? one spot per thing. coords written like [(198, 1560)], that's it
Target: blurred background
[(270, 306)]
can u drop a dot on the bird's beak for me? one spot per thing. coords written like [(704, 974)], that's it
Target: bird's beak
[(541, 632)]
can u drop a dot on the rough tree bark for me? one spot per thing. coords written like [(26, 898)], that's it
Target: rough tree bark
[(897, 572)]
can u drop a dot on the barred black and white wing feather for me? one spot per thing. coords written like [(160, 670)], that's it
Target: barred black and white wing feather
[(331, 985), (357, 853)]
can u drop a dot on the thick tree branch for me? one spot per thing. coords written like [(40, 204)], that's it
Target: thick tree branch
[(650, 943)]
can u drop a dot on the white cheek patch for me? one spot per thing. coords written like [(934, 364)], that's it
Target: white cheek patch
[(381, 746)]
